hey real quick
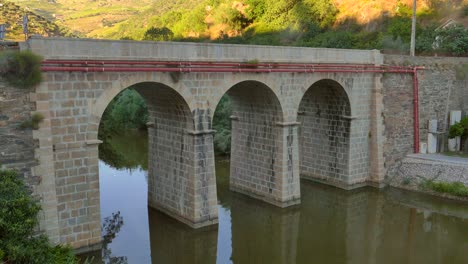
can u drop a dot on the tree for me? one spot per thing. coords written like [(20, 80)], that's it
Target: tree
[(222, 125), (158, 34), (19, 242), (460, 129)]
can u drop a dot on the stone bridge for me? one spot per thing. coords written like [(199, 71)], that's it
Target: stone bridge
[(323, 122)]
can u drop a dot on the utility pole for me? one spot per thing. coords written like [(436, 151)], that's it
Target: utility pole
[(413, 30)]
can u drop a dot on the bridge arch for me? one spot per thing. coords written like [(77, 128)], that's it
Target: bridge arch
[(257, 141), (253, 80), (324, 135), (180, 166), (129, 80)]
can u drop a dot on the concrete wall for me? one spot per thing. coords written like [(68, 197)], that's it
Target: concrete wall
[(440, 92)]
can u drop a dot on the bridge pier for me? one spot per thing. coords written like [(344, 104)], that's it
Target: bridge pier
[(181, 172), (264, 150), (183, 186)]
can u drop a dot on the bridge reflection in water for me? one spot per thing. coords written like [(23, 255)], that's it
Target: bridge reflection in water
[(330, 226)]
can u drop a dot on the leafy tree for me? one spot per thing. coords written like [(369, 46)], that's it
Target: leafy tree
[(232, 17), (158, 34), (256, 9), (222, 125), (333, 39), (191, 23), (110, 229), (452, 40), (18, 218), (425, 40), (400, 27), (126, 111), (460, 129)]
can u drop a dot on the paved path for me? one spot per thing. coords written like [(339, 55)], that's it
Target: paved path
[(441, 158)]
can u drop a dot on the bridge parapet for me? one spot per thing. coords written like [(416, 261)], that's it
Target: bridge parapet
[(67, 48)]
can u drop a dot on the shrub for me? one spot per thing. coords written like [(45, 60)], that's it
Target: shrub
[(18, 218), (33, 123), (454, 188), (158, 34), (460, 129), (21, 69)]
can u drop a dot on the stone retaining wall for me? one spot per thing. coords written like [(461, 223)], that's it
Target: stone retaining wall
[(16, 144), (442, 88), (413, 171)]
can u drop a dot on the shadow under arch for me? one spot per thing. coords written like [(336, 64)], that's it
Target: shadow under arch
[(256, 167), (324, 135)]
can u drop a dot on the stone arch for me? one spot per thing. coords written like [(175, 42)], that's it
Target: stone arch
[(263, 80), (180, 170), (256, 141), (324, 136), (100, 104)]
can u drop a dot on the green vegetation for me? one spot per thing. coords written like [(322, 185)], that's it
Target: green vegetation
[(116, 152), (126, 111), (454, 188), (158, 34), (222, 125), (18, 219), (460, 129), (20, 69), (309, 23), (33, 123), (456, 154), (12, 15)]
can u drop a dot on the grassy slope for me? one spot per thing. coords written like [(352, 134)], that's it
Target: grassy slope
[(119, 18), (84, 16), (12, 14)]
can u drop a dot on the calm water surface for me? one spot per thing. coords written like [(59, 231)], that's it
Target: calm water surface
[(330, 225)]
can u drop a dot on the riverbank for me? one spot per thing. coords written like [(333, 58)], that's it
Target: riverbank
[(418, 172)]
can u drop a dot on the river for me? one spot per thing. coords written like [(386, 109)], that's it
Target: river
[(329, 226)]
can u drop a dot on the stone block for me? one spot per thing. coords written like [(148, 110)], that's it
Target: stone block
[(431, 143), (432, 126), (454, 143), (423, 148)]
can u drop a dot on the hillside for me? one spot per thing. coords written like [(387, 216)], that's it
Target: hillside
[(365, 24), (131, 18), (12, 15)]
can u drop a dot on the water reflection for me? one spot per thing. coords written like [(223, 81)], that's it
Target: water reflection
[(110, 228), (173, 242), (126, 151), (330, 225)]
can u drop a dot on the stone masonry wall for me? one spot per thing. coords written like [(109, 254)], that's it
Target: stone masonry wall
[(73, 103), (255, 140), (17, 144), (414, 171), (440, 91), (179, 158), (324, 114)]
